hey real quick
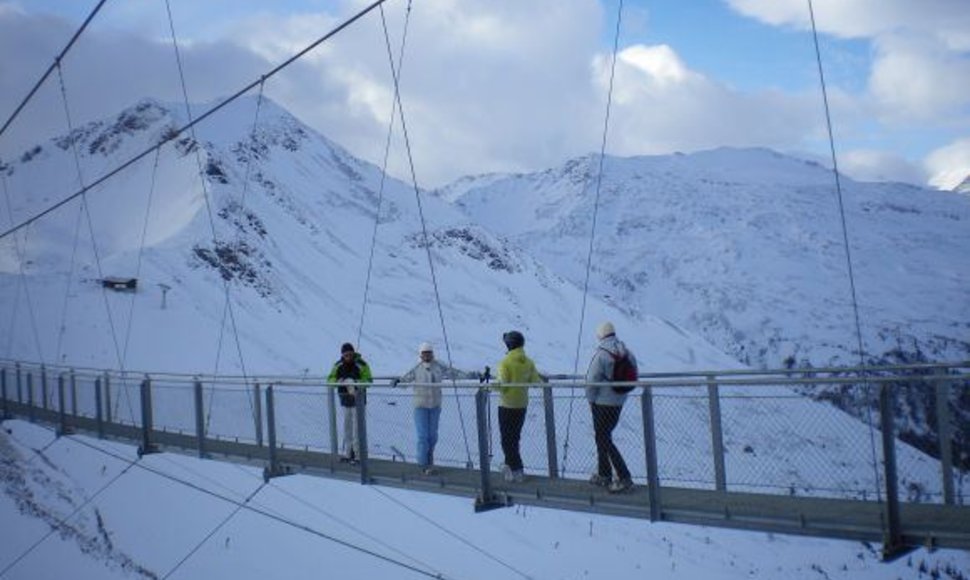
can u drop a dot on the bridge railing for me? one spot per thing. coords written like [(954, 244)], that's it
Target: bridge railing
[(904, 434)]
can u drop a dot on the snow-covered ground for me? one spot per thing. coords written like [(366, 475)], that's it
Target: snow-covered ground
[(143, 525)]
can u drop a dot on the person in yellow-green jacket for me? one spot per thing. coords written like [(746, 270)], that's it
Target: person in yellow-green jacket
[(515, 368)]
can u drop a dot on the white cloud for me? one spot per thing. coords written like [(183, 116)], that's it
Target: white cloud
[(949, 165), (918, 79), (921, 65), (484, 89), (661, 105), (948, 20), (871, 165)]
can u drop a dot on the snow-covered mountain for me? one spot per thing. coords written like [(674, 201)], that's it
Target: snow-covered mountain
[(964, 186), (288, 221), (745, 248)]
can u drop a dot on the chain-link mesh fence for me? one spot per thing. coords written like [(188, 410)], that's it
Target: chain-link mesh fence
[(782, 435)]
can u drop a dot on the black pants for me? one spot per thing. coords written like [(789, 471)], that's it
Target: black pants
[(510, 422), (605, 418)]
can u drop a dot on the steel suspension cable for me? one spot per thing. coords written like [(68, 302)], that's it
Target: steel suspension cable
[(225, 307), (592, 231), (380, 190), (424, 231), (208, 207), (86, 211), (451, 533), (50, 69), (262, 512), (62, 521), (141, 251), (22, 281), (845, 243), (192, 123), (239, 506)]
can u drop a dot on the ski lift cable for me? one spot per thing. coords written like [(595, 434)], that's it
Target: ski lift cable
[(848, 252), (21, 252), (592, 231), (251, 508), (192, 123), (424, 230), (380, 190), (50, 69), (208, 202)]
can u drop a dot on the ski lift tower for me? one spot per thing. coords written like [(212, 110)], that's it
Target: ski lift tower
[(165, 288)]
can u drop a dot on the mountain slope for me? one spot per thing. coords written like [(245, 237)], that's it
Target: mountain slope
[(285, 218)]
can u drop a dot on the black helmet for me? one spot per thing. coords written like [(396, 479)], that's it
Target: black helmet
[(513, 339)]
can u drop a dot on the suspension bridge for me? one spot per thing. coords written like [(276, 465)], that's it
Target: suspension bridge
[(714, 449), (752, 450)]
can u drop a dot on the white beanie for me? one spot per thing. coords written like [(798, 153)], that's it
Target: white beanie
[(604, 330), (425, 347)]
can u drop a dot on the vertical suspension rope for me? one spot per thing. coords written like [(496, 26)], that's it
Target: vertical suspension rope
[(424, 230), (22, 281), (225, 308), (141, 251), (592, 231), (85, 212), (845, 243), (205, 193), (380, 191)]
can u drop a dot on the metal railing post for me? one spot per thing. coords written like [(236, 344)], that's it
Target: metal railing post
[(30, 396), (107, 397), (360, 409), (199, 417), (98, 413), (892, 543), (332, 411), (273, 469), (43, 387), (73, 393), (3, 387), (549, 405), (20, 394), (650, 451), (944, 432), (146, 419), (485, 500), (717, 433), (61, 404), (258, 410)]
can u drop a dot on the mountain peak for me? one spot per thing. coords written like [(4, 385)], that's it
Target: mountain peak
[(964, 186)]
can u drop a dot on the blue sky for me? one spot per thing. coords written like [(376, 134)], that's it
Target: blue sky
[(509, 86)]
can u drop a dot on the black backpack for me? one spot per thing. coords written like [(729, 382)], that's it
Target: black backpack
[(624, 371)]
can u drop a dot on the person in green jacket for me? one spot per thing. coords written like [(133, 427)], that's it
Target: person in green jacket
[(348, 371), (515, 368)]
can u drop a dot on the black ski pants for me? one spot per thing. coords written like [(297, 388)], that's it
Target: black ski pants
[(605, 419), (510, 422)]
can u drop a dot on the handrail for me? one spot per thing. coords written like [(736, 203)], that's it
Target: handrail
[(727, 377)]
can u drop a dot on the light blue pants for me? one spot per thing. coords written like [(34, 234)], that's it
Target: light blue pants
[(426, 425)]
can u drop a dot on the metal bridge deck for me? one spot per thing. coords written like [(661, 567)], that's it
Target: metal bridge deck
[(931, 525)]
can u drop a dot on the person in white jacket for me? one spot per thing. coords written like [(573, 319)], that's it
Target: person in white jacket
[(426, 376)]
